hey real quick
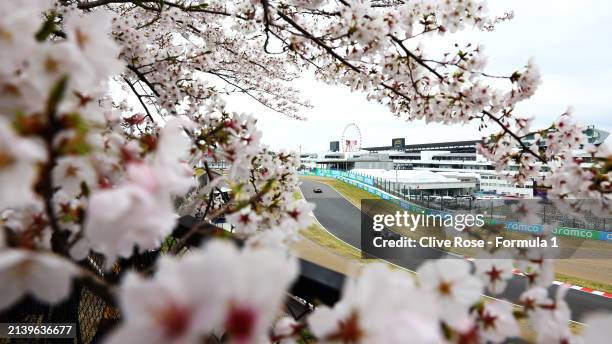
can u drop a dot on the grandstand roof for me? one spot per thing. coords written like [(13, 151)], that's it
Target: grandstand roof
[(430, 146)]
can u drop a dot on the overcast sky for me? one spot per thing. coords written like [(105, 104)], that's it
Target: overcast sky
[(570, 40)]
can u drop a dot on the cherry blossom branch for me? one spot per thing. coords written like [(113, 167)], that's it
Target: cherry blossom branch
[(467, 70), (317, 41), (518, 140), (211, 200), (229, 208), (267, 25), (46, 186), (505, 128), (193, 8), (139, 96), (415, 58), (418, 60), (143, 78), (247, 92), (331, 51)]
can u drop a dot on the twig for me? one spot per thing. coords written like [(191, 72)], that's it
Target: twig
[(139, 96), (514, 135)]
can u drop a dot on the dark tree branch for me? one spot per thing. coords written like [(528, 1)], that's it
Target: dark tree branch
[(416, 58), (143, 78), (514, 136), (139, 96), (141, 3)]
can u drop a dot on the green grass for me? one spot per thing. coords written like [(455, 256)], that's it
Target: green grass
[(351, 193), (319, 235), (583, 282)]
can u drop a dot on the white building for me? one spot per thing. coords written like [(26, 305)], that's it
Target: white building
[(411, 182), (458, 161)]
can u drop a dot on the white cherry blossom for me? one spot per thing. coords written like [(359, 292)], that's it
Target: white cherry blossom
[(455, 288), (299, 215), (71, 171), (17, 30), (531, 298), (245, 221), (44, 276), (18, 166), (285, 330), (376, 308), (171, 157), (174, 307), (494, 270), (130, 215), (91, 34), (56, 61), (497, 322), (164, 309)]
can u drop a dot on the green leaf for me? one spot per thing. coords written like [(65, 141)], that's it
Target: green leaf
[(57, 94), (85, 190), (47, 28), (77, 122)]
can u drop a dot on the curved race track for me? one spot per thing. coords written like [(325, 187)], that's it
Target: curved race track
[(343, 219)]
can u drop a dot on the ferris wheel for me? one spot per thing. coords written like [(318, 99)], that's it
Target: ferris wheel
[(351, 138)]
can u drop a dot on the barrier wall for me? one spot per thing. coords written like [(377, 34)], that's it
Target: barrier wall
[(337, 174), (359, 180)]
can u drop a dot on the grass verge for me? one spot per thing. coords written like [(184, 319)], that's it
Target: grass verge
[(351, 193), (583, 282), (319, 235)]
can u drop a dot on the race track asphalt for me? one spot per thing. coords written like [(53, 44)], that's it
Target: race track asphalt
[(343, 219)]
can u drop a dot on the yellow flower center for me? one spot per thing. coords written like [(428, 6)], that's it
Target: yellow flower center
[(82, 39), (6, 159), (51, 65), (71, 171), (444, 288), (6, 35)]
